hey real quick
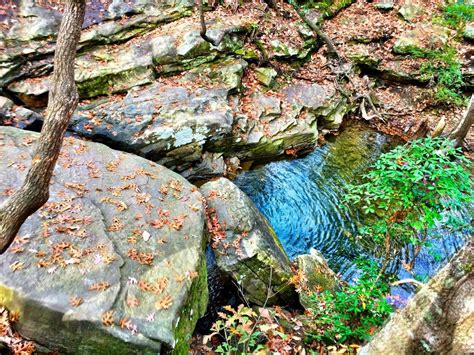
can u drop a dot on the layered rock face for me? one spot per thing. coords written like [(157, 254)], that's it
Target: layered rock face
[(193, 122), (438, 319), (116, 265)]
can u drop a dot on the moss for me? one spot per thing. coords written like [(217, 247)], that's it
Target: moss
[(116, 82), (195, 308)]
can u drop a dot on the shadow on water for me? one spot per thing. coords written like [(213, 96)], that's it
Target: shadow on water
[(303, 201)]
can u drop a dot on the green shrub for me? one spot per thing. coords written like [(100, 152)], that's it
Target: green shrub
[(408, 192), (456, 15), (444, 70), (352, 314)]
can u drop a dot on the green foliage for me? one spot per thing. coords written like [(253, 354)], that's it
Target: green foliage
[(243, 331), (444, 70), (353, 313), (456, 15), (409, 190), (237, 329)]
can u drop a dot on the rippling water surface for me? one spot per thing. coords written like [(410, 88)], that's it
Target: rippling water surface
[(303, 200)]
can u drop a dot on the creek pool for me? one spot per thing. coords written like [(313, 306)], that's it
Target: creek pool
[(303, 201)]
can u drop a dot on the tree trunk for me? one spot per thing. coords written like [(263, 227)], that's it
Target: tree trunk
[(203, 31), (63, 99), (460, 132)]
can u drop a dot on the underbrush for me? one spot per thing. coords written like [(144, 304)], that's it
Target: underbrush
[(443, 70), (334, 320), (456, 15)]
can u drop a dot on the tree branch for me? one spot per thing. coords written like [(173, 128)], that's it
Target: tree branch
[(332, 51), (460, 132), (203, 32)]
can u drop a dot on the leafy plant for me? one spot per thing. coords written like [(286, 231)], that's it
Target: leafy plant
[(457, 14), (244, 330), (351, 314), (408, 192), (444, 70)]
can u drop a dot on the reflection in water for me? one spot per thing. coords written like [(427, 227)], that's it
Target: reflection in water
[(303, 201)]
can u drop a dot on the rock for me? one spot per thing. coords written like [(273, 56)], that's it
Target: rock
[(117, 68), (469, 31), (169, 123), (120, 258), (119, 8), (384, 4), (266, 75), (316, 276), (283, 50), (211, 165), (426, 37), (34, 22), (18, 116), (438, 319), (5, 106), (410, 11), (245, 245)]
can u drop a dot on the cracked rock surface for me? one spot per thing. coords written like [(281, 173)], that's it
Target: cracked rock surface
[(114, 266)]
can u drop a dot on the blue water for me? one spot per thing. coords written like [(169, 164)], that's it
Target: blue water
[(303, 201)]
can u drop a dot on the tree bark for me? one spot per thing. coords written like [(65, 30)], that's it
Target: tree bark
[(460, 132), (331, 48), (203, 31), (63, 99)]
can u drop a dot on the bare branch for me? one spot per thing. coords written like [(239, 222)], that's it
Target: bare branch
[(203, 32)]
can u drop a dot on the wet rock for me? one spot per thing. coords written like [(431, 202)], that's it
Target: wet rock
[(245, 245), (316, 276), (113, 278), (438, 319), (423, 38), (266, 75)]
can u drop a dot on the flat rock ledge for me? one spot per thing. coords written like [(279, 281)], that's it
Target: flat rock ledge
[(113, 266)]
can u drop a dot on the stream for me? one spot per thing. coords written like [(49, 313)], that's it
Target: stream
[(303, 199)]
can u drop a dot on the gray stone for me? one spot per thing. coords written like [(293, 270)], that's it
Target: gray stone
[(113, 262), (5, 105), (438, 319), (117, 68), (34, 22), (167, 123), (425, 37), (410, 11), (245, 245)]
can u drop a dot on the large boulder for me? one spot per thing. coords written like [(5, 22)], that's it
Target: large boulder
[(245, 245), (438, 319), (114, 261)]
